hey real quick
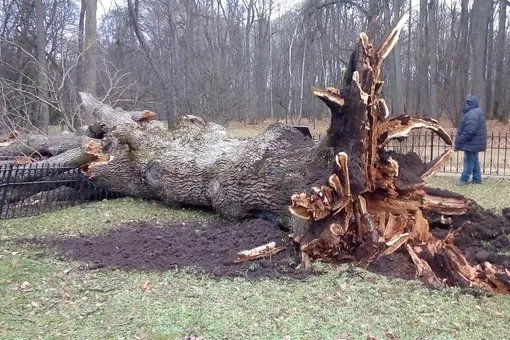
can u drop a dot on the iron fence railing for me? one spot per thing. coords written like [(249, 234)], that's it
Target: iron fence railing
[(31, 189), (495, 161)]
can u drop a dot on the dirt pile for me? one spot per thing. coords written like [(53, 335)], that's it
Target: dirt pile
[(208, 247), (481, 237)]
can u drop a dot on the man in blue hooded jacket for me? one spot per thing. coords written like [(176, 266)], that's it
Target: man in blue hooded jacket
[(472, 139)]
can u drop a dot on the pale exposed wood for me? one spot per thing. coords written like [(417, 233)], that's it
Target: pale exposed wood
[(423, 269), (265, 250)]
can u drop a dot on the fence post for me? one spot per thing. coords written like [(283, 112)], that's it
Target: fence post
[(6, 175), (431, 146), (504, 157)]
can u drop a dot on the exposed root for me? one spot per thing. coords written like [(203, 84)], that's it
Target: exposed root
[(400, 127), (386, 213)]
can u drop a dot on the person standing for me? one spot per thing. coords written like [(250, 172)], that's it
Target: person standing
[(472, 139)]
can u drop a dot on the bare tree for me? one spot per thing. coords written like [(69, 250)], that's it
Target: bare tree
[(463, 59), (480, 15), (499, 94), (43, 117), (432, 24), (423, 60), (92, 48), (489, 75)]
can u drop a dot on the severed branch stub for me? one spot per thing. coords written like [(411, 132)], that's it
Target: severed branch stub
[(372, 204)]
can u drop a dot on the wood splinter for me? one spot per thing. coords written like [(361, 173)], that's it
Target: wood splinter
[(268, 249)]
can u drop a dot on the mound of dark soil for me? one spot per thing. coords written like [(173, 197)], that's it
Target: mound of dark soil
[(482, 237), (210, 247), (206, 247), (398, 264)]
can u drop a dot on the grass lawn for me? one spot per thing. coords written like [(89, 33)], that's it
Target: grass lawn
[(45, 296)]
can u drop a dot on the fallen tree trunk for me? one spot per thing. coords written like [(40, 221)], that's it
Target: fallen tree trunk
[(345, 198)]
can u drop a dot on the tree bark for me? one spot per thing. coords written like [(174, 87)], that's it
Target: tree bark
[(479, 22), (500, 63), (409, 89), (422, 76), (434, 104), (91, 45), (398, 106), (81, 48), (489, 86), (463, 59), (43, 118), (90, 56)]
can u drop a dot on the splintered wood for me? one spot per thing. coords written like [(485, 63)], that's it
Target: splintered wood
[(265, 250), (372, 204)]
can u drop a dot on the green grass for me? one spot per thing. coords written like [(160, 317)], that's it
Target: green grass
[(63, 301), (492, 194), (94, 218)]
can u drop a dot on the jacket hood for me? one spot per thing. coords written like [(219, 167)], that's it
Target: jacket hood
[(471, 103)]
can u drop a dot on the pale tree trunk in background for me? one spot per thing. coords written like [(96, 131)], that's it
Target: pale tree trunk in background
[(301, 95), (261, 52), (499, 91), (43, 118), (250, 18), (289, 104), (398, 98), (188, 42), (271, 108), (91, 55), (175, 66), (409, 90), (479, 19), (81, 43), (390, 88), (463, 59), (432, 15), (489, 87), (422, 76)]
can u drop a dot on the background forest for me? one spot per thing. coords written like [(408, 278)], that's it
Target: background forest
[(246, 60)]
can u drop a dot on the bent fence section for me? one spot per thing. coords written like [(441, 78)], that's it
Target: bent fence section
[(31, 189), (495, 161)]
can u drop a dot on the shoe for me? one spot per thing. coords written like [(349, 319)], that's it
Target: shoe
[(461, 183), (476, 182)]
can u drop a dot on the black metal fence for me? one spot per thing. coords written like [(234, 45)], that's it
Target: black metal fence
[(495, 161), (27, 190)]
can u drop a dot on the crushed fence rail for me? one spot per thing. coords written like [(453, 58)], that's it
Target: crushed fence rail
[(32, 189), (495, 161)]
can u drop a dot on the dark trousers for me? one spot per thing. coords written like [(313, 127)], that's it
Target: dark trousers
[(471, 167)]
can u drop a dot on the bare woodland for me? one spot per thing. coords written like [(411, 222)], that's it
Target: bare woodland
[(242, 60)]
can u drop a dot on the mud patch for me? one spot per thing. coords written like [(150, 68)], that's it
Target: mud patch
[(208, 247)]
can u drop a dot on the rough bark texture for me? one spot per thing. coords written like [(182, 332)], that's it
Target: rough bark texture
[(345, 198)]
